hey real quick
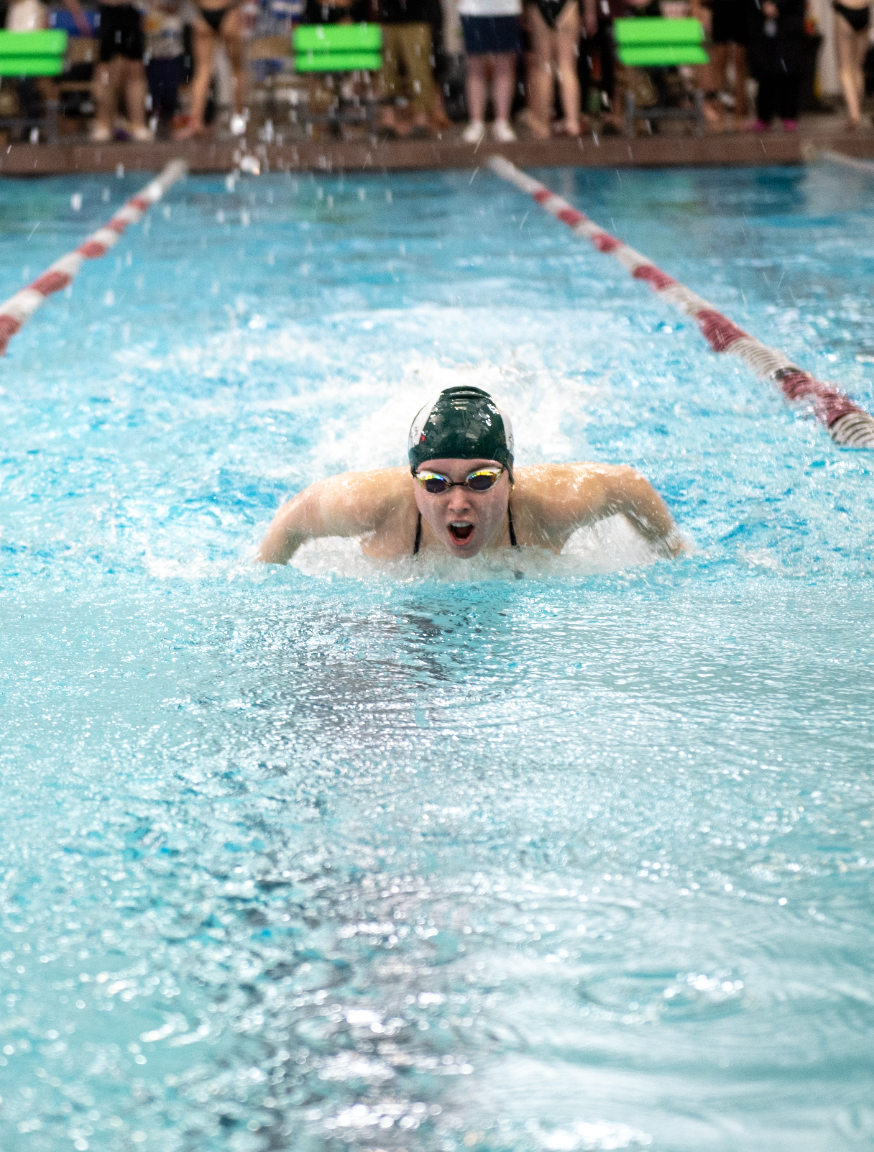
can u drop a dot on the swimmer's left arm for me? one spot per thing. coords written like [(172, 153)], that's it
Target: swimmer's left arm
[(592, 492)]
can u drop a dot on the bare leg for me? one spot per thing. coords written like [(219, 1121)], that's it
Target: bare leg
[(503, 82), (107, 77), (232, 37), (740, 81), (716, 80), (135, 89), (476, 89), (567, 51), (847, 68), (541, 83), (204, 47)]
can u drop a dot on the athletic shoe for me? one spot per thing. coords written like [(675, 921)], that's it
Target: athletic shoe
[(502, 132), (474, 132), (238, 125), (758, 126), (790, 125), (142, 135), (99, 134)]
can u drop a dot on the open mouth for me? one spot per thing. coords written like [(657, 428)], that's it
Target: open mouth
[(460, 531)]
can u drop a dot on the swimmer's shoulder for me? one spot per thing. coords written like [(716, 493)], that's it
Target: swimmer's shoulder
[(554, 498), (548, 484), (385, 492)]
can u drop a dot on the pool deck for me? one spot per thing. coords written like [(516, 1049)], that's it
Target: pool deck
[(729, 149)]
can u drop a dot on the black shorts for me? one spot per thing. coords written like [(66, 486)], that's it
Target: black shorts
[(121, 32), (486, 34), (729, 26)]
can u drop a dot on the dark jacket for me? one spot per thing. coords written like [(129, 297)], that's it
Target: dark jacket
[(780, 54)]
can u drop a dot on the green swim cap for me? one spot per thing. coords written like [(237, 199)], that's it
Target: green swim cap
[(463, 423)]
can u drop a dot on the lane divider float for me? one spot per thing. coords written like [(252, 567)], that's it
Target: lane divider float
[(18, 309), (833, 157), (848, 424)]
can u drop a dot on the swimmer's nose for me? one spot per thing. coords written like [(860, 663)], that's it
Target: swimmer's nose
[(459, 500)]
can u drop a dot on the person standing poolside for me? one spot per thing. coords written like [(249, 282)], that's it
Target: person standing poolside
[(555, 34), (775, 47), (406, 44), (491, 35), (217, 22), (725, 21), (461, 495), (852, 33), (120, 71)]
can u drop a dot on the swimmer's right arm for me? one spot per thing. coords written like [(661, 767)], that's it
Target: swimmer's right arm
[(351, 504)]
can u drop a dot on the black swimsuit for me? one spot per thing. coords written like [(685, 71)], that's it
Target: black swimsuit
[(418, 539), (857, 18), (214, 16), (550, 10)]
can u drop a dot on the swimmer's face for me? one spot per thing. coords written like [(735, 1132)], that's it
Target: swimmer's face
[(463, 521)]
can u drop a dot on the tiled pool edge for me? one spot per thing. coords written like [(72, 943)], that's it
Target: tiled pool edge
[(736, 149)]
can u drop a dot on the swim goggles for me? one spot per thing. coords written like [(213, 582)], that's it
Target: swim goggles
[(479, 481)]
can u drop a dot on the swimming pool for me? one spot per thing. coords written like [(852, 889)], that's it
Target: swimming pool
[(429, 858)]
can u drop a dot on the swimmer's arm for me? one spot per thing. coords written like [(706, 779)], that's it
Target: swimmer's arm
[(594, 492), (351, 504)]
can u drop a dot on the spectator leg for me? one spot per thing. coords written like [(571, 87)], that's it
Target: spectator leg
[(231, 32), (476, 88), (503, 83), (766, 99), (416, 41), (567, 44), (135, 89), (852, 47), (203, 45), (107, 83), (790, 87), (630, 112), (741, 74), (391, 76), (541, 80)]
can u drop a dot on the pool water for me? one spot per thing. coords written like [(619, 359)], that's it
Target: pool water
[(427, 857)]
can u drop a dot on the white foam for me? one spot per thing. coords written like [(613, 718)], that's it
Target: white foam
[(609, 546)]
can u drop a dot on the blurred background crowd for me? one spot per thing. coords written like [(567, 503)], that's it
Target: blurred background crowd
[(220, 68)]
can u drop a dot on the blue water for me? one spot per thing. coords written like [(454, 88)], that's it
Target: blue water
[(431, 858)]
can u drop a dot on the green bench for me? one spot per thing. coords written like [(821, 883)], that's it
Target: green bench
[(31, 54), (333, 51), (658, 42)]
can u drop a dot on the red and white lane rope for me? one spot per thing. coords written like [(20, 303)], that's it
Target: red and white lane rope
[(848, 424), (18, 309)]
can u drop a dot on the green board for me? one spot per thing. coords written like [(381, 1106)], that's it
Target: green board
[(658, 30), (31, 65), (32, 53), (337, 38), (662, 55), (338, 62)]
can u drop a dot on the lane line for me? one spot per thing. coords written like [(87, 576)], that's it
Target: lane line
[(847, 423), (854, 162), (18, 309)]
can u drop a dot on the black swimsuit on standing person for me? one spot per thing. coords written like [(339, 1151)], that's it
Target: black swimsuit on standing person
[(214, 16), (550, 10), (858, 18)]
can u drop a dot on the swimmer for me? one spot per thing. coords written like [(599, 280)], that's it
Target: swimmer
[(461, 495)]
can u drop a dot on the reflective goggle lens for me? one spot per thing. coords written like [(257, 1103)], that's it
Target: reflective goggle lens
[(480, 481)]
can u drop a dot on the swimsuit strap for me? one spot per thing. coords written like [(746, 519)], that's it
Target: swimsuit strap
[(513, 543)]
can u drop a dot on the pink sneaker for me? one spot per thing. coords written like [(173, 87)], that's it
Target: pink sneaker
[(758, 126), (790, 125)]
